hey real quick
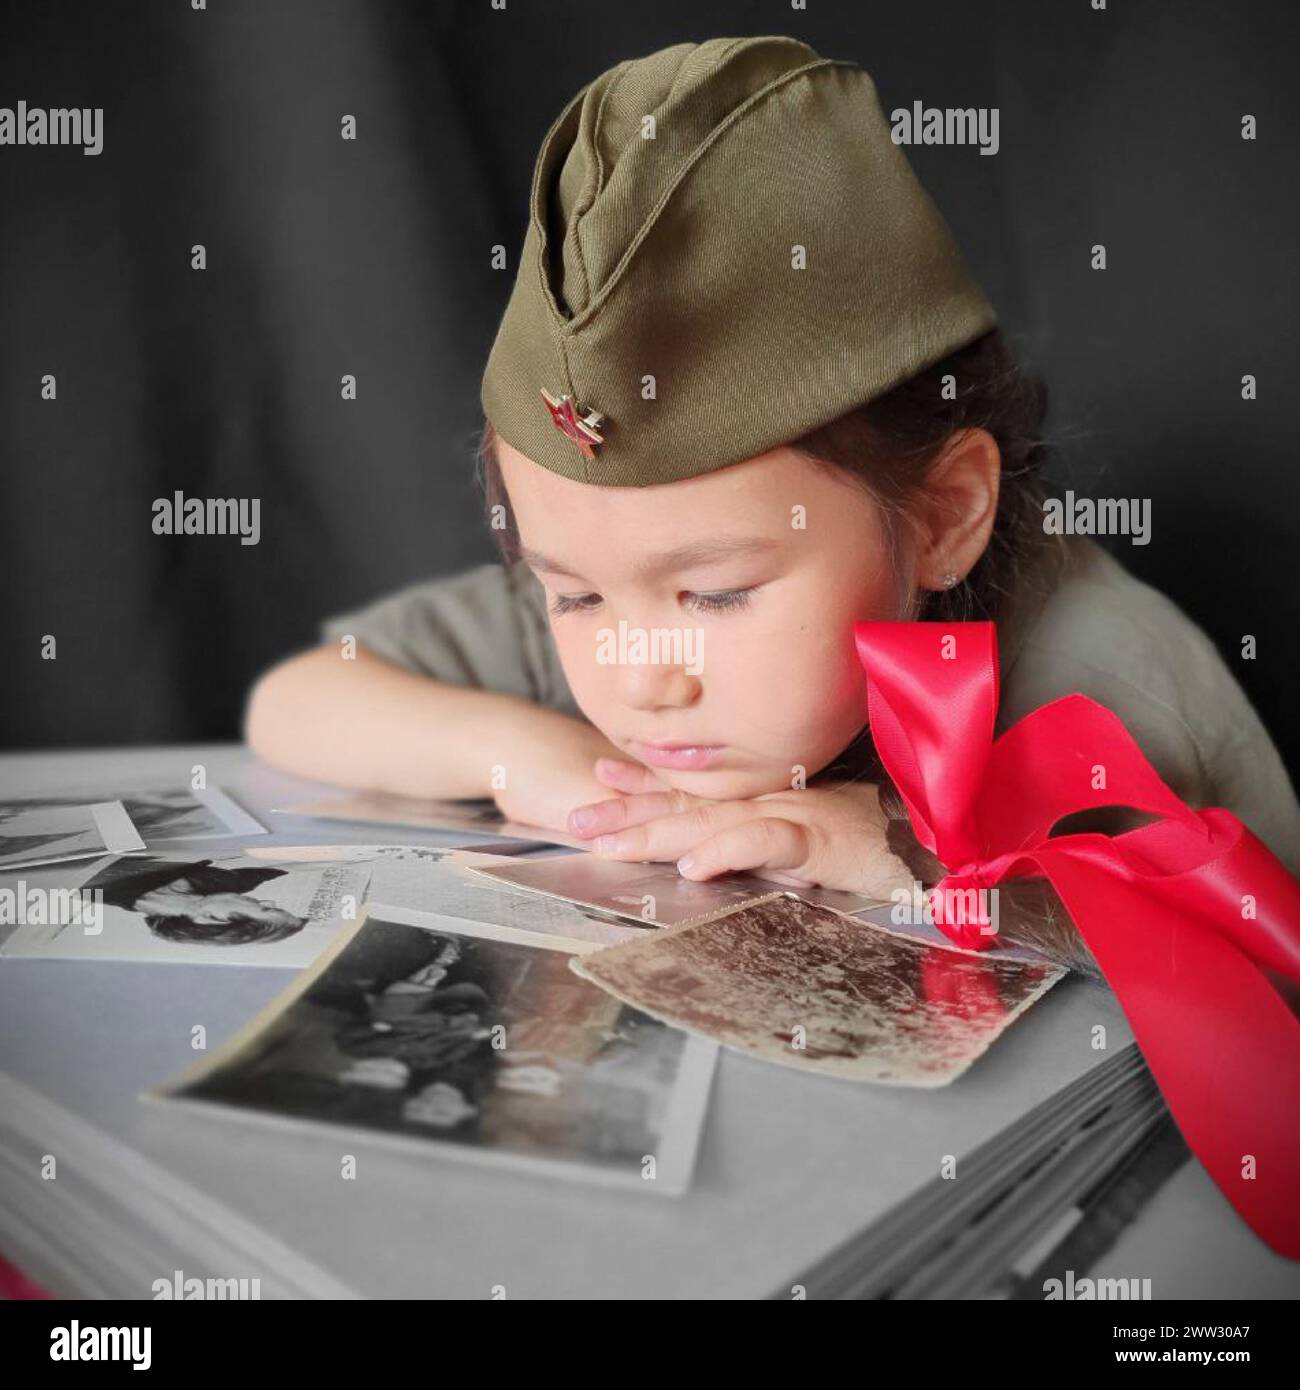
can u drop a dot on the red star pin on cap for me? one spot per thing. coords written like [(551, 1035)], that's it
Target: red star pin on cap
[(581, 429)]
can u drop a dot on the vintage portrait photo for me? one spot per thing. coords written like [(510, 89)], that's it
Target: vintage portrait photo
[(276, 904), (229, 910)]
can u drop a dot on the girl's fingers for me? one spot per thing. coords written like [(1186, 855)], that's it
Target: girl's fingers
[(765, 843), (619, 812), (628, 777), (670, 836)]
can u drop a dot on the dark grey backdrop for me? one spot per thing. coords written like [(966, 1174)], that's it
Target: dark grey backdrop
[(373, 257)]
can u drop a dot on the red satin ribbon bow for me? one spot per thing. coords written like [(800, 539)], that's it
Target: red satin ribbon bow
[(1182, 915)]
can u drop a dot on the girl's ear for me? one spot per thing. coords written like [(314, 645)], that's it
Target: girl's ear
[(956, 508)]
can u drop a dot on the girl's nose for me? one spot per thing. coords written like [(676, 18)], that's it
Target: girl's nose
[(658, 687)]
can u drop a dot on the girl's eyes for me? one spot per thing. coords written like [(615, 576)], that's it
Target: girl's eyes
[(719, 601), (573, 603)]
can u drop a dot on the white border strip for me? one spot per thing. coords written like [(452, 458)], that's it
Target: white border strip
[(117, 828)]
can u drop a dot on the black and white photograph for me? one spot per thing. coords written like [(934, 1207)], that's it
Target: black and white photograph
[(460, 884), (158, 814), (169, 813), (473, 1040), (36, 832), (225, 909)]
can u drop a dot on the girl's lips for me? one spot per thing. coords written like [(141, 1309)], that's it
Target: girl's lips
[(681, 757)]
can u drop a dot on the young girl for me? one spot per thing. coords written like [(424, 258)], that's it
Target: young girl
[(745, 394)]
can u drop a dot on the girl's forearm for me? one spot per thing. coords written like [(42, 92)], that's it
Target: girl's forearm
[(366, 723)]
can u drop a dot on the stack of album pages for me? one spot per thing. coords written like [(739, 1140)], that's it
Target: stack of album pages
[(475, 1075), (110, 1221)]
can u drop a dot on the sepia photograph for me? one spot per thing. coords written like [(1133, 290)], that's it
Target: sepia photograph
[(803, 985)]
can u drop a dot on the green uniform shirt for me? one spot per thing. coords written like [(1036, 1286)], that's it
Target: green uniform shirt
[(1100, 632)]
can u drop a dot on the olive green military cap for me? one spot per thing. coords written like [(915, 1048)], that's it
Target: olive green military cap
[(726, 249)]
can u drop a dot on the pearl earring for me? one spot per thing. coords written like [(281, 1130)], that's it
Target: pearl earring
[(950, 581)]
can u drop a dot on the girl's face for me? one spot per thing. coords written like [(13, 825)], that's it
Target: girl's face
[(706, 625)]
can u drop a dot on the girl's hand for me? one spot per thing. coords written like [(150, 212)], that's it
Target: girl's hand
[(546, 763), (833, 837)]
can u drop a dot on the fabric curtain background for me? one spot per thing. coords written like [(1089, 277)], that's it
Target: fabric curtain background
[(373, 258)]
